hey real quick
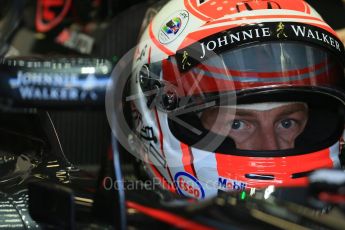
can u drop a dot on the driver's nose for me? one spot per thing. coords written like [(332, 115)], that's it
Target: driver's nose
[(268, 140)]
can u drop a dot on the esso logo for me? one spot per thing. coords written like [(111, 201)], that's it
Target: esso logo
[(214, 9), (187, 185)]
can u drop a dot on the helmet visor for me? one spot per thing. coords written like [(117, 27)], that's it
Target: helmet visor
[(266, 97), (261, 65)]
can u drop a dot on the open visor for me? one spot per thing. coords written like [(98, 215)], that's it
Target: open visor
[(265, 97)]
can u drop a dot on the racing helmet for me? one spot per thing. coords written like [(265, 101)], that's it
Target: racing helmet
[(237, 95)]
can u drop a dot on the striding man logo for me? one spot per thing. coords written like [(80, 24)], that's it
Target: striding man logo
[(281, 30), (185, 60)]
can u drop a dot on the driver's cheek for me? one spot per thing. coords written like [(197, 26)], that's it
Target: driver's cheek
[(218, 128), (244, 139), (286, 138)]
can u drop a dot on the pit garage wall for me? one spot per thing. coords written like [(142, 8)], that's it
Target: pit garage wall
[(85, 136)]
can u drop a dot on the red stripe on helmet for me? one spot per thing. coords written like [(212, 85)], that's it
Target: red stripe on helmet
[(325, 27), (172, 74), (188, 159), (193, 85), (162, 179), (149, 58), (161, 142), (289, 73), (278, 16), (160, 133), (307, 7), (281, 168)]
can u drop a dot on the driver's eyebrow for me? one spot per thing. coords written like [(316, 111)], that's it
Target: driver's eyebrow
[(288, 110), (293, 109), (245, 113)]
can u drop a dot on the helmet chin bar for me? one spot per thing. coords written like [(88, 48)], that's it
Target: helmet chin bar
[(284, 171)]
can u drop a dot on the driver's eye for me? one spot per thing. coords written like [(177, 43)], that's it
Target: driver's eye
[(286, 124), (237, 124)]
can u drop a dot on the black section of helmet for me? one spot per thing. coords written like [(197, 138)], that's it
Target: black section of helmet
[(323, 129)]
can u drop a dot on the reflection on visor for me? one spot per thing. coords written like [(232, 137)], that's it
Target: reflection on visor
[(265, 64)]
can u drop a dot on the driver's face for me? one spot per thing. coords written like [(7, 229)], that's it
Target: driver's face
[(274, 129)]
